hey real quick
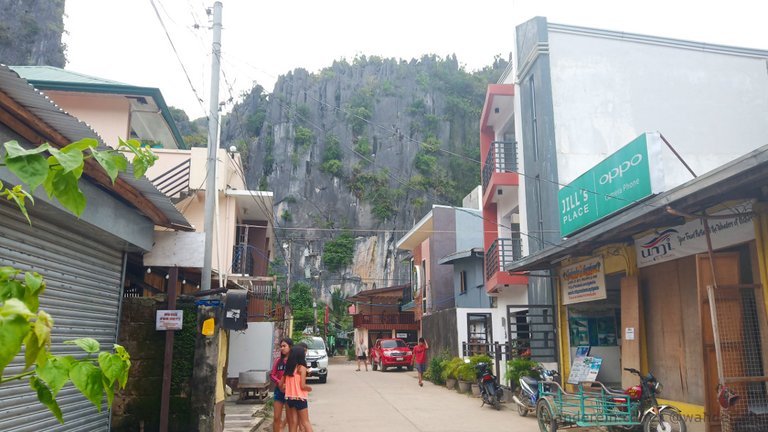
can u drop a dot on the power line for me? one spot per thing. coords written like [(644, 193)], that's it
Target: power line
[(186, 74)]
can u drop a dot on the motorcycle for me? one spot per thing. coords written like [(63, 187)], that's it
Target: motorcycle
[(649, 414), (526, 394), (490, 390)]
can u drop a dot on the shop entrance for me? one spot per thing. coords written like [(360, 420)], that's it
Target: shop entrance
[(593, 328)]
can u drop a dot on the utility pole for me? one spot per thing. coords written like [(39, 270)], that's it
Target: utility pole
[(213, 147)]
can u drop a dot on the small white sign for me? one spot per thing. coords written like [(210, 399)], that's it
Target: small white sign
[(629, 333), (401, 335), (169, 319)]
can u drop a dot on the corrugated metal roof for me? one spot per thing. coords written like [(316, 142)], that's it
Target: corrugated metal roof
[(73, 129), (50, 73)]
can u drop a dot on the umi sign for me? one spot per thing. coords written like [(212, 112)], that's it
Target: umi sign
[(689, 239), (631, 174)]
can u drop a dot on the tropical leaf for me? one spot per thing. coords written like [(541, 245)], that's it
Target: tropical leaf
[(45, 397), (55, 371), (89, 345), (89, 380)]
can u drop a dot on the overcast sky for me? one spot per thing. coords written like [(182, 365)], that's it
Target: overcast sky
[(123, 40)]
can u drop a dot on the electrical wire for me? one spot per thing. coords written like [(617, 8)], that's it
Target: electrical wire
[(173, 46)]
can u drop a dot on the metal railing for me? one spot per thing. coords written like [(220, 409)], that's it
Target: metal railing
[(242, 260), (502, 157), (175, 180), (503, 251)]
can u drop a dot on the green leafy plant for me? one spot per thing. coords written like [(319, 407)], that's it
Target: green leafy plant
[(451, 367), (520, 367), (338, 252), (23, 325), (466, 372), (480, 358), (435, 368)]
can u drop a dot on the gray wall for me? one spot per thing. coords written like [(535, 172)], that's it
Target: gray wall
[(439, 330), (539, 153), (469, 229), (475, 297), (442, 243)]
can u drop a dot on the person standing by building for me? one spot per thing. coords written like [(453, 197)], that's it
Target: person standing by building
[(360, 352), (420, 359), (278, 369), (294, 385)]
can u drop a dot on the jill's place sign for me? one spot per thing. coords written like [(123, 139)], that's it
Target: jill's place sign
[(631, 174)]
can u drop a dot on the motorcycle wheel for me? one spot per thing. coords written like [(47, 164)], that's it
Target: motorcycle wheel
[(545, 416), (521, 410), (667, 421)]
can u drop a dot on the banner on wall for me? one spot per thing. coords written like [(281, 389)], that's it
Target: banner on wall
[(690, 239), (583, 282)]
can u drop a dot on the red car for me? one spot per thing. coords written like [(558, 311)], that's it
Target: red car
[(391, 352)]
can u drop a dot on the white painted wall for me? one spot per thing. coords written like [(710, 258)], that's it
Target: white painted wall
[(606, 91), (251, 349)]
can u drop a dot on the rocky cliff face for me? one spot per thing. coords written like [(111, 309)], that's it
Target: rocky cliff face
[(365, 147), (30, 32)]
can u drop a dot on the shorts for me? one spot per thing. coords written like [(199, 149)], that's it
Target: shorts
[(278, 395), (297, 404), (421, 367), (362, 357)]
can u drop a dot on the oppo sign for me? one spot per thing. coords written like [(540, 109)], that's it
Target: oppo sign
[(618, 172), (619, 181)]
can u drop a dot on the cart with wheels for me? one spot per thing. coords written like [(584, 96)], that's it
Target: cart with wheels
[(592, 405)]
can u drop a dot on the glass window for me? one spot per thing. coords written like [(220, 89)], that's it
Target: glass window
[(396, 343)]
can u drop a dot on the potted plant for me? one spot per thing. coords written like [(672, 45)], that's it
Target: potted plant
[(466, 375), (520, 367), (450, 371)]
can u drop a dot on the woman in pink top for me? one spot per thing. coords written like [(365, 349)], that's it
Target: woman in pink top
[(294, 385), (277, 374)]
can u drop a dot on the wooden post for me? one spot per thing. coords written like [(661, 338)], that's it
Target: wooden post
[(165, 395)]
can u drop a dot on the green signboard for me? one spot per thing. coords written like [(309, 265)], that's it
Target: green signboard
[(629, 175)]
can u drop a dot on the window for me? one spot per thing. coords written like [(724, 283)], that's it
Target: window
[(463, 282), (393, 344)]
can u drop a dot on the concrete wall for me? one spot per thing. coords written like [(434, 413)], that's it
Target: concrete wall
[(108, 115), (475, 296), (468, 228)]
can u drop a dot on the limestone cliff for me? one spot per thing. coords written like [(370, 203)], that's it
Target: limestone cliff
[(30, 32), (366, 146)]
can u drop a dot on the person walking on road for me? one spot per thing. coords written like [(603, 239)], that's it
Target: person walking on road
[(420, 359), (278, 369), (360, 352), (294, 385)]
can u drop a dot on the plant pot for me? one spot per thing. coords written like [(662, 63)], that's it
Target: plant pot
[(475, 390), (464, 386), (450, 383)]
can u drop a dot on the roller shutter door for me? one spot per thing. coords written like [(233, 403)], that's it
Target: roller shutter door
[(83, 291)]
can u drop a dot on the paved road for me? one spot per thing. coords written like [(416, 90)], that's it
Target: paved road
[(392, 401)]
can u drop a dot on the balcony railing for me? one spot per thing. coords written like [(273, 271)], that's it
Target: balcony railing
[(242, 260), (174, 181), (360, 320), (502, 157), (503, 251)]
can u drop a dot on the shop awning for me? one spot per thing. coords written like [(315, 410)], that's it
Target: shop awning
[(741, 179)]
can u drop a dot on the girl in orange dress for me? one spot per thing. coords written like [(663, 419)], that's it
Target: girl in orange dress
[(294, 385)]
